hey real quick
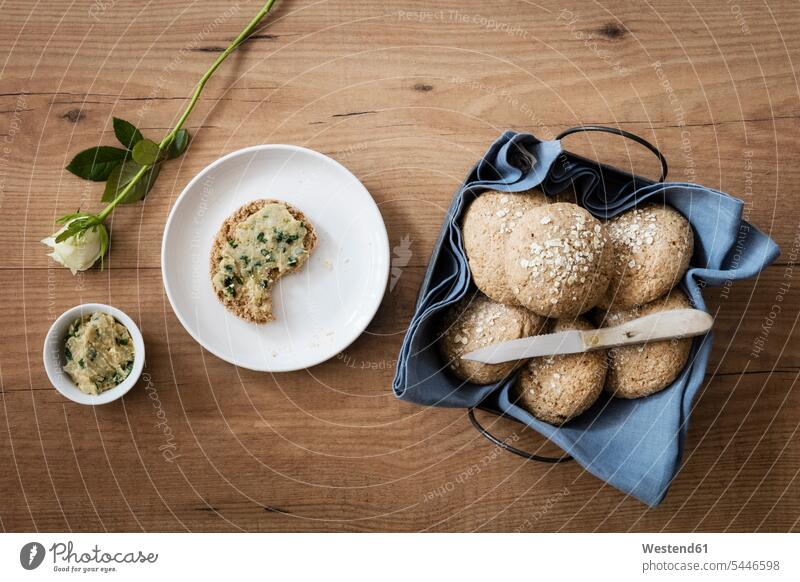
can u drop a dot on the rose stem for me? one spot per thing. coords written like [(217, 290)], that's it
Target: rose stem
[(168, 139)]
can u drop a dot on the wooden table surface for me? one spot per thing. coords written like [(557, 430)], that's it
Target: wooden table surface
[(407, 95)]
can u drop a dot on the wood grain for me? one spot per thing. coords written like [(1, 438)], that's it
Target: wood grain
[(408, 98)]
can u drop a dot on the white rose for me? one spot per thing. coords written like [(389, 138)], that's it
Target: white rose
[(78, 252)]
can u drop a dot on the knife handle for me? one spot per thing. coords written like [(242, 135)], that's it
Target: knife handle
[(677, 323)]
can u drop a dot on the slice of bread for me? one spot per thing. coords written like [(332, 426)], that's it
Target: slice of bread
[(240, 305)]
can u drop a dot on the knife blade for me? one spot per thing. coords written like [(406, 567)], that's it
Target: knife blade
[(678, 323)]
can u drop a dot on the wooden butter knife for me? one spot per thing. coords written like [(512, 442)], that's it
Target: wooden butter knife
[(678, 323)]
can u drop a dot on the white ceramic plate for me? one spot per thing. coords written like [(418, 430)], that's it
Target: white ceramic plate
[(321, 308)]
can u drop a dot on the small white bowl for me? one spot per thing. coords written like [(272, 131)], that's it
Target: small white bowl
[(55, 359)]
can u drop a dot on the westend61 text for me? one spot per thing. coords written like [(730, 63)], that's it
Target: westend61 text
[(672, 549)]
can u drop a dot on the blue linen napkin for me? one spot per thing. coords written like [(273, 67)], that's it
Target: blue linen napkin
[(634, 445)]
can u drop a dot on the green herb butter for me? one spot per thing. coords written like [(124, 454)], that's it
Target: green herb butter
[(264, 246), (99, 352)]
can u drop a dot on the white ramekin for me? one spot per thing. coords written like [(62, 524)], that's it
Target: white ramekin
[(55, 359)]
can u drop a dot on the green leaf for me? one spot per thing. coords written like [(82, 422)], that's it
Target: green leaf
[(96, 163), (67, 217), (71, 231), (119, 178), (103, 243), (126, 133), (146, 152), (76, 227), (178, 145), (122, 176)]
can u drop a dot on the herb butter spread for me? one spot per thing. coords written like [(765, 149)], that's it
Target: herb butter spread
[(264, 246), (99, 352)]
